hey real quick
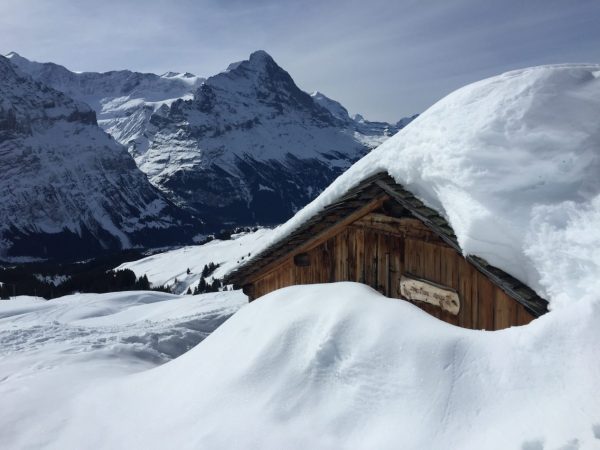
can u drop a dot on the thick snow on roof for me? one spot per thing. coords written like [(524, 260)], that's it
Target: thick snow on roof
[(513, 163)]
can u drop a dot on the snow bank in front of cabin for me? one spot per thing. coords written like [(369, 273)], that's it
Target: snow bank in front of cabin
[(340, 366), (51, 352), (170, 268), (513, 162)]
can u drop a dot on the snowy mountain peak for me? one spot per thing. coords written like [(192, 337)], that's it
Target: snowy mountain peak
[(257, 60), (33, 68), (332, 106), (26, 105), (67, 188), (11, 55), (259, 87), (258, 70), (186, 75), (6, 66), (245, 146), (251, 146), (15, 58), (260, 57), (123, 100)]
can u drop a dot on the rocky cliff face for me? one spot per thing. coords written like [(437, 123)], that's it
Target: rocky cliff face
[(68, 189), (245, 146), (123, 100), (250, 146)]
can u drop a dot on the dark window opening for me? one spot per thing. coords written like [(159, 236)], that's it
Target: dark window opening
[(302, 260)]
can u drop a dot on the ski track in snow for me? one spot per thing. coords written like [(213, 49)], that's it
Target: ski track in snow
[(40, 325), (52, 352)]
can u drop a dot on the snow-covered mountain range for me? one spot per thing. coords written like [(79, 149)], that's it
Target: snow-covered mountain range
[(123, 100), (68, 188), (244, 146)]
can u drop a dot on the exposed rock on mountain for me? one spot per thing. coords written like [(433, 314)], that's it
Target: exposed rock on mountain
[(67, 188), (245, 146), (123, 100), (250, 146)]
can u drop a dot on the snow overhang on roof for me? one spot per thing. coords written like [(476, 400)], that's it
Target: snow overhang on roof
[(374, 187)]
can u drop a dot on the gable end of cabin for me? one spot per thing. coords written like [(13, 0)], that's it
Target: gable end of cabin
[(381, 235)]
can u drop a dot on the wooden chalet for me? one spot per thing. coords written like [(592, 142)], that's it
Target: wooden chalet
[(380, 234)]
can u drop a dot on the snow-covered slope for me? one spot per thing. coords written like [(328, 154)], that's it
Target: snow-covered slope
[(123, 100), (170, 268), (67, 188), (513, 163), (246, 146), (51, 351), (321, 367)]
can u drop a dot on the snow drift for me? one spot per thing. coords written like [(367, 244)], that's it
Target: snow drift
[(513, 163), (340, 366), (53, 351)]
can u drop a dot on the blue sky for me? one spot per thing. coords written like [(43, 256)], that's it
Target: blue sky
[(384, 59)]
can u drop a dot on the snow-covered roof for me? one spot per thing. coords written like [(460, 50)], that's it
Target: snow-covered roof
[(364, 197), (513, 163)]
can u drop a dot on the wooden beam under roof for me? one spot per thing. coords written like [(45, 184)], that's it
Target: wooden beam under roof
[(321, 237)]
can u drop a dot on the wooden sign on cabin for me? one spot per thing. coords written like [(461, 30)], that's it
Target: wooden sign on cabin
[(419, 290), (380, 234)]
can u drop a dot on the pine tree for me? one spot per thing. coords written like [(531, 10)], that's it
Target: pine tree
[(202, 286), (214, 286), (142, 283)]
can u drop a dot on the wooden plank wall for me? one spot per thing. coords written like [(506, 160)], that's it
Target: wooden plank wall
[(378, 257)]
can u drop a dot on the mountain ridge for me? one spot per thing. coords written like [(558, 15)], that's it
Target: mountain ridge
[(68, 189), (245, 146)]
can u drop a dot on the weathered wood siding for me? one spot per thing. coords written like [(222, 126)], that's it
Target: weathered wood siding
[(377, 250)]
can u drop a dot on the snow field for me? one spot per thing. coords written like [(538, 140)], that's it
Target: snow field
[(340, 366), (53, 351)]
